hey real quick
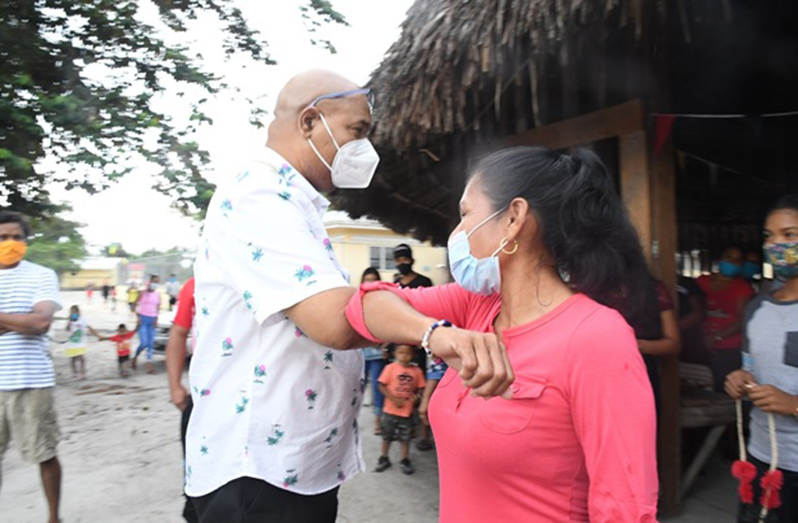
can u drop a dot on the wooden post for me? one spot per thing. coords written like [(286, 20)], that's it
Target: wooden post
[(664, 267), (636, 184)]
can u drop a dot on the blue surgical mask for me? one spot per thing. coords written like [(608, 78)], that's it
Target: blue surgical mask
[(477, 276), (730, 270), (750, 269), (74, 317)]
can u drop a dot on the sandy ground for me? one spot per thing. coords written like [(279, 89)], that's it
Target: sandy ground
[(122, 457)]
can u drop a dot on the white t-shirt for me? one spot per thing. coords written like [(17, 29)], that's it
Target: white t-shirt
[(25, 361), (269, 403), (77, 331)]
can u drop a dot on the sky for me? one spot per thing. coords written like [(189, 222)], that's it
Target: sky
[(138, 217)]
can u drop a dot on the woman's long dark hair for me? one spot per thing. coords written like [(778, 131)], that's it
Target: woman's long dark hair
[(787, 202), (584, 224)]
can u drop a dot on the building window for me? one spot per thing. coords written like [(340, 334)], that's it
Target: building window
[(382, 258)]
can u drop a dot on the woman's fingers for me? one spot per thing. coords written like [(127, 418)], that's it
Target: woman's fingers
[(484, 370)]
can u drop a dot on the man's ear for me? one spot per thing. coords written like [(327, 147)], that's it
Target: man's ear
[(307, 119)]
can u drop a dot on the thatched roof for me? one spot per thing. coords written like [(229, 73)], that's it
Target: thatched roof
[(452, 52), (466, 73)]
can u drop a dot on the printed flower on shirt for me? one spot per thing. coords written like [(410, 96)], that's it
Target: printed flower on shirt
[(328, 439), (299, 334), (241, 406), (286, 176), (204, 450), (284, 195), (243, 176), (305, 273), (328, 358), (257, 254), (226, 206), (341, 474), (277, 435), (328, 245), (291, 479), (205, 311), (354, 397), (260, 372), (205, 392), (227, 346), (310, 395), (248, 299)]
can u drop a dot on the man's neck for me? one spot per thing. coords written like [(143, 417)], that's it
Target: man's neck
[(7, 267), (408, 278)]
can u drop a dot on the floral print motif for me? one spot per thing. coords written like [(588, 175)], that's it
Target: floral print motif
[(306, 273), (204, 450), (310, 396), (248, 299), (205, 311), (241, 406), (299, 334), (328, 358), (286, 176), (328, 245), (227, 206), (205, 392), (354, 397), (260, 372), (257, 254), (284, 195), (276, 437), (328, 439), (227, 346), (291, 478), (341, 474), (243, 176)]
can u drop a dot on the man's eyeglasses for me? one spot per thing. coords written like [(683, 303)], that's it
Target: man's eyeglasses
[(343, 94)]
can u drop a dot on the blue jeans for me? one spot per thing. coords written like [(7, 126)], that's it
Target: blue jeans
[(374, 369), (146, 336)]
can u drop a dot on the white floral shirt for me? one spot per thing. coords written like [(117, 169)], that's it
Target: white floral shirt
[(269, 403)]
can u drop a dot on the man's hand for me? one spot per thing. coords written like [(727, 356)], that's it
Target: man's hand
[(771, 399), (179, 397), (480, 359), (737, 382)]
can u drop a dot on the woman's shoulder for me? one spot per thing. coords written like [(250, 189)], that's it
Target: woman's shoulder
[(597, 324)]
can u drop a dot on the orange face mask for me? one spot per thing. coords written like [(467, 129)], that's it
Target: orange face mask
[(12, 252)]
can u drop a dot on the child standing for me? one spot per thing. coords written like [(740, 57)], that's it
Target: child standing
[(76, 342), (400, 383), (122, 340)]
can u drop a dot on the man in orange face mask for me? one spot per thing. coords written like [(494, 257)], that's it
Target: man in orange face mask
[(28, 300)]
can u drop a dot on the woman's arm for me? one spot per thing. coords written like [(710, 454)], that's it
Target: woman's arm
[(613, 412), (480, 358), (670, 343)]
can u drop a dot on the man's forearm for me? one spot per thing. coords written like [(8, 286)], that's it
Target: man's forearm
[(30, 324), (176, 355)]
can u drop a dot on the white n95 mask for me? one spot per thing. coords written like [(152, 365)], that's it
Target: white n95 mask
[(354, 164)]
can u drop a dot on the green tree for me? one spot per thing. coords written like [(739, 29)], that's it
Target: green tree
[(52, 102), (56, 243)]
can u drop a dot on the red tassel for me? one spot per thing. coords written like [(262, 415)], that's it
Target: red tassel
[(771, 485), (745, 472)]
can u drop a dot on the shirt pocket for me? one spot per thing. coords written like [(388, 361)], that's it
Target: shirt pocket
[(514, 415), (791, 349)]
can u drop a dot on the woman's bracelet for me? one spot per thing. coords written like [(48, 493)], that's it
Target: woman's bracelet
[(428, 334)]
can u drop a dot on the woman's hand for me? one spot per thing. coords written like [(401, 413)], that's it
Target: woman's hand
[(771, 399), (480, 359), (737, 382)]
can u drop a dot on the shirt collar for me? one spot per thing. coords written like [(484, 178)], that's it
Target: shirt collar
[(281, 166)]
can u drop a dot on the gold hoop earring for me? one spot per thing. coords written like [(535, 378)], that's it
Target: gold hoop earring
[(504, 243)]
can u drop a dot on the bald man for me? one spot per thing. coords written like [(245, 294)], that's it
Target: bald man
[(274, 433)]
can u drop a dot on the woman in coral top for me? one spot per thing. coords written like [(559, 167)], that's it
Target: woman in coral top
[(543, 256)]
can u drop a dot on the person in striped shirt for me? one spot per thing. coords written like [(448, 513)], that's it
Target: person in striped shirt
[(28, 300)]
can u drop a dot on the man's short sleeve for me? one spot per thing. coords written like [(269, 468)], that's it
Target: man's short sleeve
[(271, 251), (47, 290)]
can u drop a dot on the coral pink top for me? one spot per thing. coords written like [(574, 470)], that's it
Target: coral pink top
[(577, 441)]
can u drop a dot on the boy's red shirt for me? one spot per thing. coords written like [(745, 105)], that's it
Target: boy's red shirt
[(122, 343)]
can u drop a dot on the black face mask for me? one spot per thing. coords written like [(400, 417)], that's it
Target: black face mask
[(404, 269)]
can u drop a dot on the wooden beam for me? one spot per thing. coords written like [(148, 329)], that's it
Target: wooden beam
[(664, 224), (614, 121), (636, 184)]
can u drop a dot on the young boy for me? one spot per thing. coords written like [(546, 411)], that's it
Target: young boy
[(400, 383), (122, 340)]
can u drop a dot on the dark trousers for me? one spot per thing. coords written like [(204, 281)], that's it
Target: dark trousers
[(189, 512), (786, 513), (723, 363), (250, 500)]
